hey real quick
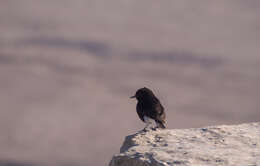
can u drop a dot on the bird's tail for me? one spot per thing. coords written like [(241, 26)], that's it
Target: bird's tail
[(160, 124)]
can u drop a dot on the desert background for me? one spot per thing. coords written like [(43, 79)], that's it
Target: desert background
[(68, 68)]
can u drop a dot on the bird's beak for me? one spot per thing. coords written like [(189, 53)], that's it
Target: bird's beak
[(133, 97)]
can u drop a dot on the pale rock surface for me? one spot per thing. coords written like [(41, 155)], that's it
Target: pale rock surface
[(237, 145)]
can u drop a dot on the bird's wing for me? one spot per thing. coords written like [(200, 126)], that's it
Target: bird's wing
[(160, 114)]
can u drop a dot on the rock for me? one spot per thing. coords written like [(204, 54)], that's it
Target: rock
[(237, 145)]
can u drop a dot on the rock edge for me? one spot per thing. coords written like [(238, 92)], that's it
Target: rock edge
[(232, 145)]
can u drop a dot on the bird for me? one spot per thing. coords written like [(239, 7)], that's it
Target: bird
[(149, 108)]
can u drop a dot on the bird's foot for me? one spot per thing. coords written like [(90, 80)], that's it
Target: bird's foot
[(156, 128), (146, 129)]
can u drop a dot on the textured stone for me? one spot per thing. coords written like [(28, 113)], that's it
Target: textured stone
[(216, 145)]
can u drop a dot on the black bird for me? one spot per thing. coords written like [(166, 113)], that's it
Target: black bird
[(149, 108)]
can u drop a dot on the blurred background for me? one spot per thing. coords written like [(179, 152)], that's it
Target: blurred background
[(68, 68)]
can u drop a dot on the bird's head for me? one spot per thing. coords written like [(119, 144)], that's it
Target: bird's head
[(143, 93)]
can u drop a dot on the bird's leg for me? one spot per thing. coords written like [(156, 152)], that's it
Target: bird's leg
[(147, 125), (146, 128), (148, 122), (159, 125), (154, 128)]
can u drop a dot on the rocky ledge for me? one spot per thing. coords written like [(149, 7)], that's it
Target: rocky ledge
[(237, 145)]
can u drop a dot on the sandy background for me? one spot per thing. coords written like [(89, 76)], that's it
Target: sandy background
[(67, 69)]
